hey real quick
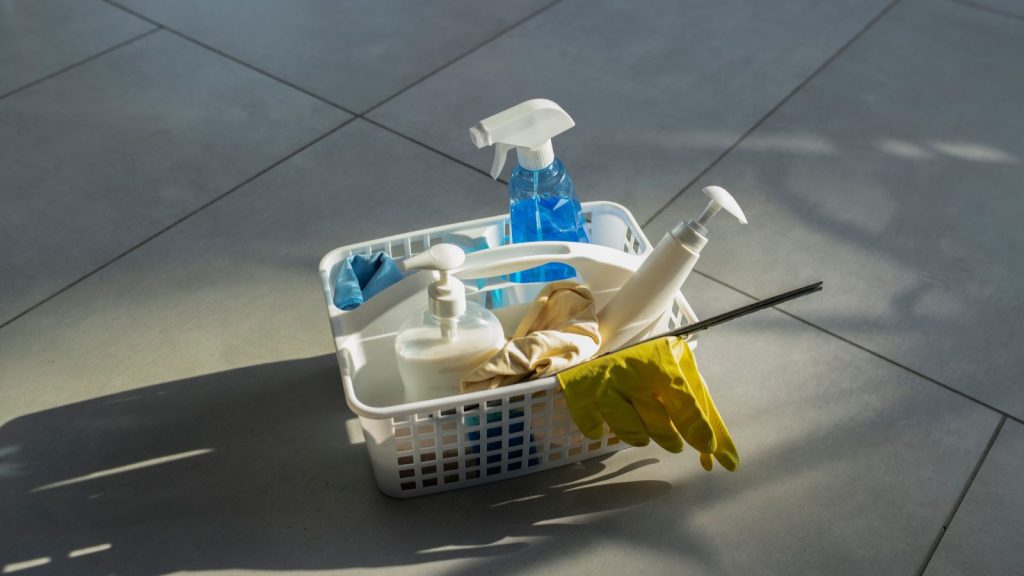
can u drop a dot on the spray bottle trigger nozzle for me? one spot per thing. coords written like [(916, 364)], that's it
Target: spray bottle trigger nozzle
[(528, 126), (501, 151)]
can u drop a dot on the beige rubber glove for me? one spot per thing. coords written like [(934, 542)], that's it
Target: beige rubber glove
[(649, 391), (558, 331)]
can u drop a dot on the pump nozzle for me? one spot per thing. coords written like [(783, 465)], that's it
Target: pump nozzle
[(439, 257), (446, 295), (720, 199), (528, 127), (693, 234)]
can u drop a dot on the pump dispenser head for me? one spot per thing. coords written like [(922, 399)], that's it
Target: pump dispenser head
[(528, 127), (693, 234), (446, 294)]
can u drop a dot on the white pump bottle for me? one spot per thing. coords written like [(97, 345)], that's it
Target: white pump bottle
[(450, 336), (649, 293)]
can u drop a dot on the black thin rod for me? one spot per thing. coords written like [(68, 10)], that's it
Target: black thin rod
[(733, 314)]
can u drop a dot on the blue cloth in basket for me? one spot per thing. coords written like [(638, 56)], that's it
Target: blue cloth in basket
[(362, 277)]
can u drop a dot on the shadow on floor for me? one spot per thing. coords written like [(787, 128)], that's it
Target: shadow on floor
[(253, 468)]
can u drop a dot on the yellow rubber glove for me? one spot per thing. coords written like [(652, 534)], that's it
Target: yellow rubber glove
[(651, 391)]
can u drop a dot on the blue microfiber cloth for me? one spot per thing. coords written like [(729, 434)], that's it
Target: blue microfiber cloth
[(363, 277)]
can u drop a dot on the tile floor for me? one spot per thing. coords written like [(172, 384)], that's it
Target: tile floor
[(170, 174)]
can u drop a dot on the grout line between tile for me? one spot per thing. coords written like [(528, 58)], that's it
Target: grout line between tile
[(190, 214), (775, 108), (960, 500), (223, 54), (725, 153), (360, 115), (863, 348), (311, 94), (485, 42), (79, 63), (157, 26), (428, 147), (989, 9)]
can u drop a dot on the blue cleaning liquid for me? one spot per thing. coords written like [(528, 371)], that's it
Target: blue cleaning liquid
[(544, 206)]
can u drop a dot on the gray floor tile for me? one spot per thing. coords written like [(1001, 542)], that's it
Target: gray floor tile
[(256, 254), (101, 157), (39, 37), (354, 54), (895, 177), (658, 89), (1011, 8), (204, 359), (986, 536)]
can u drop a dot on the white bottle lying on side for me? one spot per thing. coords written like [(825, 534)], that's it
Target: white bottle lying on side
[(649, 293)]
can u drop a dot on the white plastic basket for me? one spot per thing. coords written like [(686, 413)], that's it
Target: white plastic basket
[(447, 443)]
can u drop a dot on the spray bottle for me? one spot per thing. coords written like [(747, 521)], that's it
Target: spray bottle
[(649, 293), (542, 199), (450, 336)]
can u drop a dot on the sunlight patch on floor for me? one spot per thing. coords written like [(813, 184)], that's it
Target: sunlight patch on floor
[(127, 468), (89, 550), (25, 565)]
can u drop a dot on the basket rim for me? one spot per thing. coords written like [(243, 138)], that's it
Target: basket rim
[(363, 410), (326, 262)]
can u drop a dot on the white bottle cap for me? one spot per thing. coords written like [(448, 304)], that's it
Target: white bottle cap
[(446, 295), (528, 127), (535, 158)]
